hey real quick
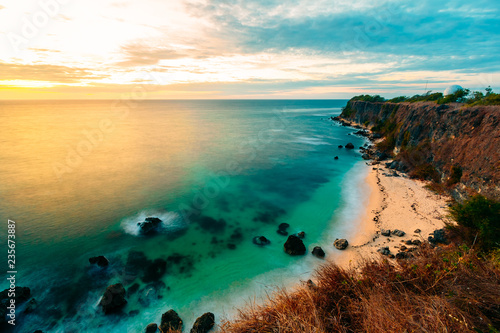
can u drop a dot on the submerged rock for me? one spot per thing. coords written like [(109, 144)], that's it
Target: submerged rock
[(100, 261), (301, 235), (155, 270), (261, 241), (318, 252), (149, 226), (170, 320), (282, 229), (204, 323), (113, 299), (341, 244), (294, 246)]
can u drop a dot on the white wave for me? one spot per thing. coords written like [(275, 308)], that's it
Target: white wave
[(310, 141), (171, 221)]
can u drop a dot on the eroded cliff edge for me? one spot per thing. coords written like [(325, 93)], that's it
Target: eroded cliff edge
[(440, 142)]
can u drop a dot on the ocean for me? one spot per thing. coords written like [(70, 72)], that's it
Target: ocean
[(78, 176)]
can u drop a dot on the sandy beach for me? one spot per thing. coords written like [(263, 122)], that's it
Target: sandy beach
[(396, 202)]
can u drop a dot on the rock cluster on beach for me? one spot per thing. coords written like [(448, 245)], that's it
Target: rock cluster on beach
[(340, 244)]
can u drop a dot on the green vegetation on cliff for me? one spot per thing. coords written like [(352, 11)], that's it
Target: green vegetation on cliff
[(461, 96)]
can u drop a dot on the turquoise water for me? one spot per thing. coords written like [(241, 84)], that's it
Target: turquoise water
[(77, 176)]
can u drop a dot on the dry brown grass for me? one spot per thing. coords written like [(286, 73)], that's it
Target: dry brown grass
[(447, 290)]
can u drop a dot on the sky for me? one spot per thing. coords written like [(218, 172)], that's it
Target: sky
[(255, 49)]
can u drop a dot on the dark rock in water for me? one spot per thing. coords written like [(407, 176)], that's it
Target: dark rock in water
[(237, 235), (438, 236), (149, 226), (318, 252), (398, 233), (282, 229), (349, 146), (294, 246), (170, 320), (301, 235), (340, 146), (336, 158), (152, 328), (38, 331), (283, 226), (341, 244), (231, 246), (261, 240), (376, 136), (282, 232), (22, 295), (132, 289), (365, 156), (155, 270), (204, 323), (100, 261), (385, 232), (113, 299)]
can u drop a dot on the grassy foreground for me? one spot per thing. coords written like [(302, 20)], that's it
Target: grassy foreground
[(445, 289)]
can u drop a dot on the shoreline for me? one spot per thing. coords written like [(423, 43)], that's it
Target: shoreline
[(395, 202)]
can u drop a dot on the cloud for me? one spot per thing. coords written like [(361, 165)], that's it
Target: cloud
[(46, 72), (141, 55), (462, 39)]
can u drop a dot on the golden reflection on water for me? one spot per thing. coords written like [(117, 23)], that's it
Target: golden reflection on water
[(76, 159)]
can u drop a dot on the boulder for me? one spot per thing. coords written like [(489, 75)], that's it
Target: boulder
[(301, 235), (149, 226), (151, 328), (170, 320), (438, 236), (365, 156), (349, 146), (385, 232), (100, 261), (113, 299), (417, 231), (403, 255), (384, 251), (340, 146), (336, 158), (341, 244), (261, 241), (294, 246), (318, 252), (204, 323), (398, 233)]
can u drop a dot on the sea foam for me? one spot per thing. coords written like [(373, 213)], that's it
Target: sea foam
[(171, 221)]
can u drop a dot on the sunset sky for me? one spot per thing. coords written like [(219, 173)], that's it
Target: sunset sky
[(73, 49)]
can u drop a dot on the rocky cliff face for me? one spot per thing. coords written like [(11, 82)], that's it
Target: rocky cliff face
[(445, 136)]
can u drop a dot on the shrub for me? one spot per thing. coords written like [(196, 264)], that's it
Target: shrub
[(478, 217), (455, 175)]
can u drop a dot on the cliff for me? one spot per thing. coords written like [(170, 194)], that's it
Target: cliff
[(459, 144)]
